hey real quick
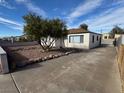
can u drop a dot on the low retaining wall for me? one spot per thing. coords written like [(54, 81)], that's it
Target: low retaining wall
[(120, 60), (3, 61)]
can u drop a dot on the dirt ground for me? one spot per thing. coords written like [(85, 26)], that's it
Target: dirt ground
[(20, 54)]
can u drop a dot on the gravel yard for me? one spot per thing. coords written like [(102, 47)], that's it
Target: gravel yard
[(22, 54)]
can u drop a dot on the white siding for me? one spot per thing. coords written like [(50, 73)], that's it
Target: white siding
[(59, 43), (85, 43), (96, 42)]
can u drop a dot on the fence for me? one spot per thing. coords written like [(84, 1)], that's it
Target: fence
[(120, 58), (120, 40)]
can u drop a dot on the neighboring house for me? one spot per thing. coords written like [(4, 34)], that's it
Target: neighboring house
[(105, 36), (118, 36), (80, 38), (14, 38)]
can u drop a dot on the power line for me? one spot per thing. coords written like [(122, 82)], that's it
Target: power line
[(106, 28), (120, 24)]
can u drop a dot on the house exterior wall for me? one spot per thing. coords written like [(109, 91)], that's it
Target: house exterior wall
[(59, 43), (84, 45), (66, 42), (96, 41), (117, 36), (105, 36), (87, 41), (120, 40)]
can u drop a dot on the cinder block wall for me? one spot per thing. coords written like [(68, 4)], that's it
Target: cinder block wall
[(3, 61)]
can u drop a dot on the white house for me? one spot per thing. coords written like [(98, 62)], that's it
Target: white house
[(80, 38), (105, 36)]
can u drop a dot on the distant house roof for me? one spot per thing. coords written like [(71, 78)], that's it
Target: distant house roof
[(79, 30)]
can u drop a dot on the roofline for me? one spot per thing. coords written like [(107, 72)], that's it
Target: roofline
[(86, 32)]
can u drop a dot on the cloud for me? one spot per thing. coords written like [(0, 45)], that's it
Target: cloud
[(83, 9), (32, 8), (12, 24), (63, 13), (107, 19), (4, 3), (17, 28), (117, 2), (55, 9)]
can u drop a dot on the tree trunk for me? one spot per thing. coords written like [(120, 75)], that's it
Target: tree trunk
[(39, 41)]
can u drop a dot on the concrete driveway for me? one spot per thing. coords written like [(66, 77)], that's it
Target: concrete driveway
[(93, 71)]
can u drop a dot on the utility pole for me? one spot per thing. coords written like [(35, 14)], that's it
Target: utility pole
[(101, 31)]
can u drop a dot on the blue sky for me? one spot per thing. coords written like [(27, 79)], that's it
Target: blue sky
[(100, 15)]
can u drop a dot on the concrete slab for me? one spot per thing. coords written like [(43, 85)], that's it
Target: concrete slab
[(3, 61), (93, 71), (6, 84)]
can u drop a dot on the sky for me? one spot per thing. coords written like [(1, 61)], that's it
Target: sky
[(99, 15)]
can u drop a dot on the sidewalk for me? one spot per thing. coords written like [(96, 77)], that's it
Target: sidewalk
[(7, 84)]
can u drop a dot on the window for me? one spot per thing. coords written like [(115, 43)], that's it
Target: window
[(97, 38), (81, 39), (76, 39), (93, 39)]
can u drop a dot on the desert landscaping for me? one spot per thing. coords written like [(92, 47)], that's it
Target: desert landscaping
[(60, 46), (20, 56)]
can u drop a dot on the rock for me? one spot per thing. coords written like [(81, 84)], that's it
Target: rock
[(60, 54), (56, 56), (67, 53), (37, 59), (44, 59), (40, 59), (53, 56), (30, 61), (42, 51), (50, 55), (63, 54)]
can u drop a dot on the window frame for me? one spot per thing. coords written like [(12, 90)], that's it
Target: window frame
[(81, 37), (93, 38), (97, 38)]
